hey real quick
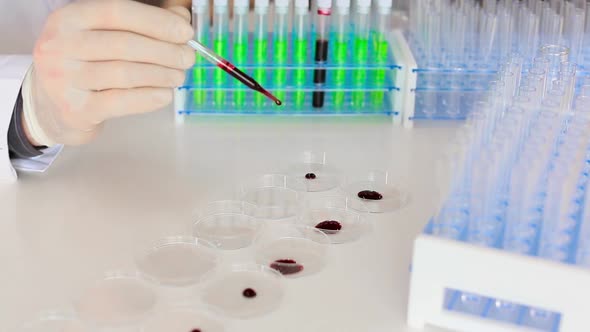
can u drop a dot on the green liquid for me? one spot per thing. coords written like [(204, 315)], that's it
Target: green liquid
[(340, 48), (380, 75), (219, 76), (299, 75), (260, 52), (240, 57), (280, 77), (361, 52), (199, 78)]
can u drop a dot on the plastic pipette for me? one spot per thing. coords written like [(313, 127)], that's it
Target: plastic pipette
[(231, 69)]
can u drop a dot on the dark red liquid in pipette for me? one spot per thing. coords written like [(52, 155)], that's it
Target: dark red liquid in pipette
[(247, 80)]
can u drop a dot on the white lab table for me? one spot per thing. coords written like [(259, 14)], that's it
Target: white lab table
[(101, 203)]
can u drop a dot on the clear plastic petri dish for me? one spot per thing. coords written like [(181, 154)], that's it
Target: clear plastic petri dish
[(244, 291), (376, 193), (183, 319), (118, 300), (313, 174), (56, 321), (271, 197), (229, 225), (293, 250), (177, 261), (335, 216)]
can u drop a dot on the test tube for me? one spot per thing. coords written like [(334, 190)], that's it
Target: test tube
[(220, 45), (300, 36), (341, 29), (260, 41), (380, 50), (556, 54), (488, 29), (281, 41), (361, 50), (574, 30), (321, 50), (240, 44), (201, 26), (504, 32), (583, 252)]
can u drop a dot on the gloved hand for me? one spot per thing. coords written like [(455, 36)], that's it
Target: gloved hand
[(101, 59)]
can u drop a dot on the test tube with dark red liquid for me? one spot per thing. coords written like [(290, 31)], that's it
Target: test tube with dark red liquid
[(321, 50)]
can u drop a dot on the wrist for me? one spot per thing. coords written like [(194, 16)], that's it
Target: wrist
[(27, 132), (32, 127)]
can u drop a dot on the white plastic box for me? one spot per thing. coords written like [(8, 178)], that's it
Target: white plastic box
[(439, 264)]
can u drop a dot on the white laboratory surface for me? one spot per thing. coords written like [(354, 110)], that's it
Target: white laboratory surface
[(100, 204)]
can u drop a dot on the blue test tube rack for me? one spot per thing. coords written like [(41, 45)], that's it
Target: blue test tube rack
[(291, 78), (452, 77), (509, 247), (295, 102)]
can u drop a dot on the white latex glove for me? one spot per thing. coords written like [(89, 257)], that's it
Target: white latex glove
[(101, 59)]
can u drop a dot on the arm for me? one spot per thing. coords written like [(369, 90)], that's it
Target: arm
[(12, 72), (16, 148)]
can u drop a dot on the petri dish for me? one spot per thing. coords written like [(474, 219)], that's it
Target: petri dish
[(228, 225), (118, 300), (334, 216), (376, 193), (225, 206), (56, 321), (312, 174), (271, 197), (177, 261), (293, 250), (183, 319), (244, 291)]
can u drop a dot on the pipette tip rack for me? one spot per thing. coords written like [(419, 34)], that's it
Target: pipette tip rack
[(509, 246)]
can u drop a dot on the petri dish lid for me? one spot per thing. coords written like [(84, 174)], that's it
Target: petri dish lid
[(56, 321), (118, 300), (312, 174), (377, 193), (335, 216), (227, 231), (271, 197), (177, 261), (183, 319), (244, 290), (293, 250)]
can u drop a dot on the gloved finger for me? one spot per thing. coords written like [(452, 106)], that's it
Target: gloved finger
[(181, 11), (105, 75), (108, 104), (127, 46), (123, 15)]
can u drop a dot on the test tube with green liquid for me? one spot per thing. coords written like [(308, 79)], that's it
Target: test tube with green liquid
[(380, 47), (300, 37), (260, 45), (361, 52), (201, 21), (280, 49), (341, 40), (220, 44), (240, 44)]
